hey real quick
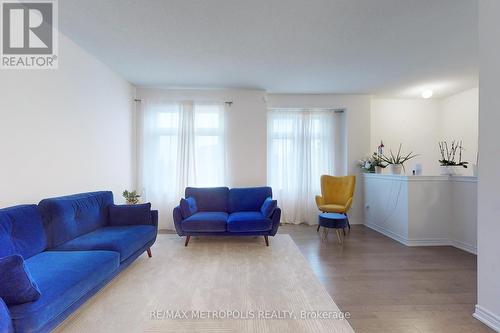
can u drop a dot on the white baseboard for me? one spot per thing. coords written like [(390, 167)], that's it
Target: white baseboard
[(464, 246), (422, 242), (488, 318), (387, 233)]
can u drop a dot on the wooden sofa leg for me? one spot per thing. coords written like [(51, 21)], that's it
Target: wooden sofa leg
[(149, 252), (266, 238), (187, 240)]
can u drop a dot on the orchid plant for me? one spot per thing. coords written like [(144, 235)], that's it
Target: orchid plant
[(449, 154)]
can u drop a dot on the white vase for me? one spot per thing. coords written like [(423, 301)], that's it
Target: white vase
[(450, 170), (396, 169), (378, 169)]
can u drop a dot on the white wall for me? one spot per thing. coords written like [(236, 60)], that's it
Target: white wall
[(412, 122), (357, 127), (488, 303), (64, 131), (459, 121), (420, 124), (246, 126)]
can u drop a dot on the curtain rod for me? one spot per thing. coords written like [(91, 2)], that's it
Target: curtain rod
[(227, 102), (321, 109)]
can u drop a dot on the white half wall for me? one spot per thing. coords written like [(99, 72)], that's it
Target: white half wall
[(65, 131), (357, 131), (488, 302)]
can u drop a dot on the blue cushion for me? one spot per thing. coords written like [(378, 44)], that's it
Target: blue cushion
[(21, 231), (188, 207), (247, 199), (5, 321), (63, 278), (209, 199), (129, 214), (247, 222), (74, 215), (125, 240), (268, 207), (16, 284), (205, 222)]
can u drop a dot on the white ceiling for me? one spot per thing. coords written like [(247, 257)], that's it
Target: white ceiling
[(384, 47)]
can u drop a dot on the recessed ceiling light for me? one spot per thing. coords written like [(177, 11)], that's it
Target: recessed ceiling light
[(427, 93)]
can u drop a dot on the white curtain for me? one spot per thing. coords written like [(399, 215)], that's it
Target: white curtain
[(300, 149), (181, 144)]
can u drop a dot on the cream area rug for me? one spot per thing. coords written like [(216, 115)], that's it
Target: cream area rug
[(217, 284)]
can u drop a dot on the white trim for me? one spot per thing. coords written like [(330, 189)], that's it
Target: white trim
[(421, 178), (464, 246), (487, 317), (423, 242), (387, 233)]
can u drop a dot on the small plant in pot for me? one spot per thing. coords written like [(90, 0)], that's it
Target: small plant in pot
[(397, 161), (131, 198), (378, 162), (449, 164)]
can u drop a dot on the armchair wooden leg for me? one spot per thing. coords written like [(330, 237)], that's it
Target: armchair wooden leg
[(149, 252), (317, 230), (187, 240), (266, 238)]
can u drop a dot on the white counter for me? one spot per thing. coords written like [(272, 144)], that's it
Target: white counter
[(423, 210)]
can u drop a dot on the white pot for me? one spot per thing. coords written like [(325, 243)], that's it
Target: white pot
[(396, 169), (450, 170), (378, 169)]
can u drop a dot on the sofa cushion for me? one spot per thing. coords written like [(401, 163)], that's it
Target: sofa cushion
[(209, 199), (5, 321), (248, 222), (205, 222), (63, 278), (268, 207), (120, 215), (16, 284), (21, 231), (125, 240), (74, 215), (248, 199), (188, 207)]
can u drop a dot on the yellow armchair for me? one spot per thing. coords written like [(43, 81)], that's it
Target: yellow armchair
[(336, 194)]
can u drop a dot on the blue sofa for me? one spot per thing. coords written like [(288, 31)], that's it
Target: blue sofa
[(72, 246), (224, 211)]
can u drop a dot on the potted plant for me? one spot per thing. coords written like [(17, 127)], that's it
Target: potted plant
[(131, 198), (367, 165), (378, 163), (397, 161), (449, 165)]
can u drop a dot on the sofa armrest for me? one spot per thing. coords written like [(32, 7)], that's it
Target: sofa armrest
[(177, 220), (154, 218), (275, 218), (5, 320)]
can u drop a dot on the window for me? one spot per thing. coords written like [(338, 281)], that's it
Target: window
[(183, 145), (300, 150)]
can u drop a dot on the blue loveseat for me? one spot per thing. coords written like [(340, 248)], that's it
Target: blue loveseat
[(223, 211), (72, 246)]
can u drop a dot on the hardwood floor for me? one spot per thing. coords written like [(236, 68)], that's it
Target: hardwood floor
[(388, 287)]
